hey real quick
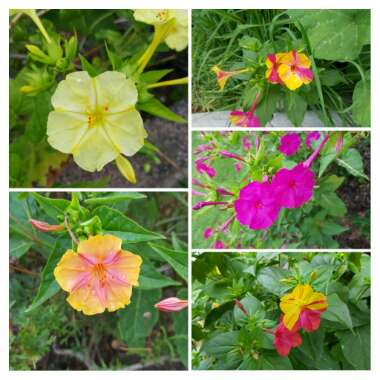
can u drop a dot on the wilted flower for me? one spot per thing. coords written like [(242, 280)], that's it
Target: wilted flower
[(310, 137), (293, 187), (99, 276), (244, 119), (285, 340), (176, 37), (95, 119), (257, 206), (46, 227), (294, 69), (222, 76), (168, 305), (202, 167), (289, 144), (302, 298)]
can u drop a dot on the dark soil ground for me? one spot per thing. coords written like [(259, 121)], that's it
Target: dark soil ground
[(171, 138), (356, 194)]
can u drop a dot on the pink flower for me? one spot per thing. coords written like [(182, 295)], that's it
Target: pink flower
[(238, 166), (168, 305), (246, 144), (201, 167), (222, 191), (289, 144), (219, 244), (227, 154), (208, 232), (272, 67), (310, 319), (310, 137), (293, 187), (244, 119), (285, 340), (257, 206)]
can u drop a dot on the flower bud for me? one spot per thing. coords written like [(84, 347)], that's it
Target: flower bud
[(46, 227), (168, 305)]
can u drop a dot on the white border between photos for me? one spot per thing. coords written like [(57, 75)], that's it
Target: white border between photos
[(197, 4)]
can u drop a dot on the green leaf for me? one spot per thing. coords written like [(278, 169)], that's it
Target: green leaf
[(136, 321), (150, 278), (252, 306), (353, 163), (116, 223), (312, 345), (18, 246), (356, 347), (295, 106), (177, 259), (332, 204), (337, 311), (113, 198), (153, 76), (87, 66), (221, 343), (330, 228), (331, 78), (268, 105), (154, 107), (335, 34), (52, 206), (48, 286), (361, 103), (330, 183), (271, 279)]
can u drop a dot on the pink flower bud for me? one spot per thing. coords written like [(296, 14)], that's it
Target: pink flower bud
[(227, 154), (222, 191), (46, 227), (224, 227), (204, 148), (208, 232), (198, 193), (219, 244), (246, 144), (339, 143), (202, 204), (168, 305), (238, 166), (314, 155), (195, 182)]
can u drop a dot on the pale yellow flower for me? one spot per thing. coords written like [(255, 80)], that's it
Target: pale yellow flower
[(95, 119), (177, 35)]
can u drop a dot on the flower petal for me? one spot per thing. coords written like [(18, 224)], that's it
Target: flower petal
[(115, 92), (127, 266), (86, 300), (65, 129), (118, 296), (69, 270), (126, 131), (99, 247), (76, 93), (95, 149), (177, 39)]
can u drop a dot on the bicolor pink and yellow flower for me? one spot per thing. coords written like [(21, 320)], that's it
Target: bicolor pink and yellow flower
[(244, 119), (222, 76), (99, 276)]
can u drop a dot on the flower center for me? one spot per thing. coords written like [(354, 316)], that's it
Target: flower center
[(100, 272), (292, 184), (162, 15), (293, 68), (257, 205), (97, 116)]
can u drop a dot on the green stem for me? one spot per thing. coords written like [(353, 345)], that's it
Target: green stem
[(172, 82)]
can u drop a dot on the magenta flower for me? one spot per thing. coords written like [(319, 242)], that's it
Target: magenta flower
[(310, 319), (219, 244), (208, 232), (228, 154), (244, 119), (289, 144), (310, 137), (202, 167), (257, 206), (246, 144), (293, 187)]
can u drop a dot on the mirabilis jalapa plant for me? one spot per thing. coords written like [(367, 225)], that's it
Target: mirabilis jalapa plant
[(96, 117), (256, 192)]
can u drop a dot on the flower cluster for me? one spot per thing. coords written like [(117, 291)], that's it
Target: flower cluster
[(259, 203), (302, 309), (290, 69)]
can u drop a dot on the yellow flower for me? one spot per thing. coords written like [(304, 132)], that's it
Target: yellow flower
[(95, 119), (177, 35), (300, 299), (99, 276), (294, 69)]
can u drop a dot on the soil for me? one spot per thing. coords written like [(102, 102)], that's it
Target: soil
[(356, 194), (172, 140)]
